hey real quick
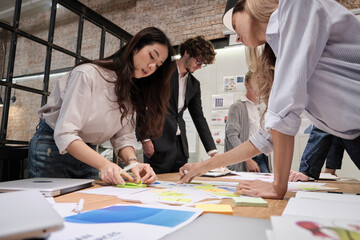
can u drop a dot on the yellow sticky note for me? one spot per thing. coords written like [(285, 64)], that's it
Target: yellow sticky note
[(215, 208), (226, 194), (215, 190), (172, 194)]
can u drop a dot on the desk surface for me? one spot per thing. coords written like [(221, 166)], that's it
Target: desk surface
[(275, 207)]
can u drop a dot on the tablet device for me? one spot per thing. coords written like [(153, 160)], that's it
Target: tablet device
[(27, 214), (47, 186)]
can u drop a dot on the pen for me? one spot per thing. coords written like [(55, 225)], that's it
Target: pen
[(343, 193), (128, 167)]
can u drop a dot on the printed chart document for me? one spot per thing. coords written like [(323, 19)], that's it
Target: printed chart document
[(300, 228), (126, 221)]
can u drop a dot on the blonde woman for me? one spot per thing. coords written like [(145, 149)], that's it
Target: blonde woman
[(311, 66)]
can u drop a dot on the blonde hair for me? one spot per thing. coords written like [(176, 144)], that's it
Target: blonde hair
[(261, 61)]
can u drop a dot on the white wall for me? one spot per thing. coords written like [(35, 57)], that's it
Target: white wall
[(230, 62)]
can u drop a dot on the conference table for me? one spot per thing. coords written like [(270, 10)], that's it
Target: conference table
[(275, 207)]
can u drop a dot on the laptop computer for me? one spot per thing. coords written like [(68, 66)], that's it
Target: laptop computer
[(47, 186), (219, 226), (26, 214)]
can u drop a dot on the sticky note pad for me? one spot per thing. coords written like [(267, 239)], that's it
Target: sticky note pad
[(215, 208), (132, 185), (249, 202)]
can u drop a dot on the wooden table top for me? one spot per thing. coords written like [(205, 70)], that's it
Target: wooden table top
[(275, 207)]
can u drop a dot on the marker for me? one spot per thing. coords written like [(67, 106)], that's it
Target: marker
[(128, 167), (79, 207)]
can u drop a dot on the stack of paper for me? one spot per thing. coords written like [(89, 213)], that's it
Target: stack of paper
[(249, 201)]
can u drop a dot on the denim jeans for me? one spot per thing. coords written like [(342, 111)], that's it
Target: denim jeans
[(322, 145), (262, 161), (46, 161)]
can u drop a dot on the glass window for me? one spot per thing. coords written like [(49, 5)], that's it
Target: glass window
[(112, 44), (35, 18), (90, 47), (5, 37), (29, 60), (60, 60), (7, 8), (66, 24), (23, 117)]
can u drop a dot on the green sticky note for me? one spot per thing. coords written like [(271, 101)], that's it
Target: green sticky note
[(132, 185), (249, 202)]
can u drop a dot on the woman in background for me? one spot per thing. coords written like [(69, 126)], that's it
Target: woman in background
[(244, 121), (311, 65), (104, 100)]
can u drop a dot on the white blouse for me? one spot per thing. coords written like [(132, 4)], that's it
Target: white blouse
[(82, 106), (317, 71)]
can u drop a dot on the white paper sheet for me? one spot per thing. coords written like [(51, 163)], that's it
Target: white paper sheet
[(322, 209), (113, 191), (330, 196)]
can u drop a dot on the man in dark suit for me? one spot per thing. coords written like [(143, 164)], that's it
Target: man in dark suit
[(170, 152)]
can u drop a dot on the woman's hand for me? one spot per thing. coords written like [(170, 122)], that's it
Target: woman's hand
[(258, 188), (144, 173), (110, 173), (298, 176), (252, 166), (189, 171), (148, 148)]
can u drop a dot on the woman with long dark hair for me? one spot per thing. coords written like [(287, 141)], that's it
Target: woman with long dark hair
[(104, 100)]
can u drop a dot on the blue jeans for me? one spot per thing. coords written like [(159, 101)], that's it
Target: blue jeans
[(46, 161), (262, 161), (322, 145)]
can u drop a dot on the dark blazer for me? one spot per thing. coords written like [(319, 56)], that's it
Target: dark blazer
[(173, 118)]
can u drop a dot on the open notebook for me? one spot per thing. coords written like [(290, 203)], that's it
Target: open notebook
[(26, 214)]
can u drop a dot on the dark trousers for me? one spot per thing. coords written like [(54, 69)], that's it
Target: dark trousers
[(322, 145), (168, 161), (46, 161)]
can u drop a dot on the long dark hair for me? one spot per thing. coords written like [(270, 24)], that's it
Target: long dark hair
[(149, 96)]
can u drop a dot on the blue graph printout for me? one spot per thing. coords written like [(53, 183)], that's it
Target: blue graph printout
[(133, 214)]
